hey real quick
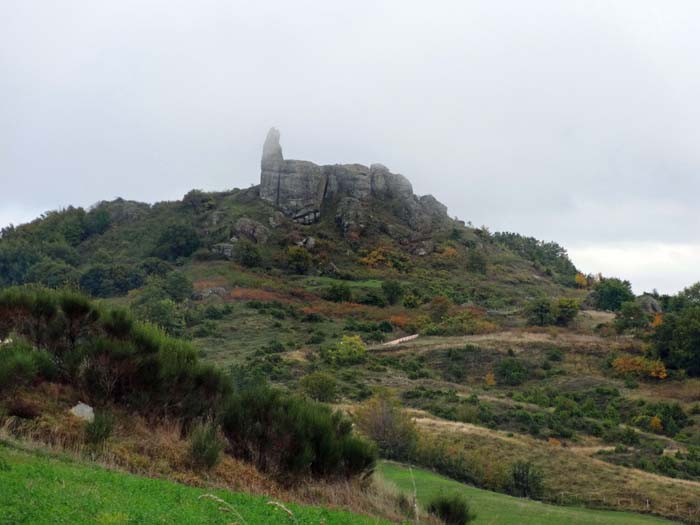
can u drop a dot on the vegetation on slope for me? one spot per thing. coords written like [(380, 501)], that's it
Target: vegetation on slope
[(39, 489), (498, 509)]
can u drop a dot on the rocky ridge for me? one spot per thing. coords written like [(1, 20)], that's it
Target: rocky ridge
[(303, 191)]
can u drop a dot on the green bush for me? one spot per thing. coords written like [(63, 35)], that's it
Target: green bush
[(19, 365), (349, 350), (205, 446), (175, 241), (247, 254), (393, 291), (511, 372), (320, 386), (452, 509), (611, 294), (338, 292), (99, 429), (525, 480), (298, 260), (291, 437)]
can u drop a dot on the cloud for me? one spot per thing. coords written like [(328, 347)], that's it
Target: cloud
[(574, 122), (645, 264)]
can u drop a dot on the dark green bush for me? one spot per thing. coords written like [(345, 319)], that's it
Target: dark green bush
[(320, 386), (525, 480), (292, 437), (205, 446), (511, 372), (247, 254), (99, 429), (452, 509), (338, 292), (18, 365)]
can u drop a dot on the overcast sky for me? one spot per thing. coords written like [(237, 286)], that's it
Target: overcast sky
[(571, 121)]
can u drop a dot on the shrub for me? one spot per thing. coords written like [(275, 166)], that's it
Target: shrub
[(393, 291), (99, 429), (205, 446), (292, 437), (350, 350), (525, 480), (177, 240), (439, 307), (676, 340), (382, 419), (611, 293), (247, 254), (18, 365), (639, 366), (320, 386), (632, 317), (298, 260), (511, 372), (565, 311), (539, 312), (338, 293), (476, 261), (452, 509)]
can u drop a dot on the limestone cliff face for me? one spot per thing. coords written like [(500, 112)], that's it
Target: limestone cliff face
[(302, 189)]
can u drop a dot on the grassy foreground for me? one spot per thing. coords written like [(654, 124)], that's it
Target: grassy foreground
[(37, 489), (498, 509)]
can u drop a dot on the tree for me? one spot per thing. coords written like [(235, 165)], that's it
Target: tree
[(525, 480), (539, 311), (247, 254), (177, 286), (393, 291), (511, 372), (677, 340), (53, 274), (177, 240), (382, 419), (565, 311), (611, 293), (320, 386), (439, 307), (298, 259), (476, 261), (631, 317)]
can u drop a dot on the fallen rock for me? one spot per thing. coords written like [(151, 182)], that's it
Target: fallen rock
[(84, 412)]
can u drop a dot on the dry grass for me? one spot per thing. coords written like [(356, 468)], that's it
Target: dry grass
[(158, 449), (596, 483)]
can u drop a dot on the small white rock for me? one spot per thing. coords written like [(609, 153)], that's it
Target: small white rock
[(84, 412)]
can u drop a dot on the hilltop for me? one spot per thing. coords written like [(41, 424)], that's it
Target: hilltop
[(342, 294)]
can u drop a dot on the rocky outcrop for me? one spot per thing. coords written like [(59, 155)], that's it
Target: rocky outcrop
[(251, 230), (302, 189)]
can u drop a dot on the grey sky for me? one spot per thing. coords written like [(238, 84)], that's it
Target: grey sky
[(570, 121)]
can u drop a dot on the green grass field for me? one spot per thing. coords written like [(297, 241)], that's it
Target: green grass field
[(498, 509), (36, 489)]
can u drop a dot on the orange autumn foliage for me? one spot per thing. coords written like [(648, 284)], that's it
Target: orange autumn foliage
[(639, 366)]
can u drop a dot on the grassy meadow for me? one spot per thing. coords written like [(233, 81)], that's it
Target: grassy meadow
[(38, 489), (492, 508)]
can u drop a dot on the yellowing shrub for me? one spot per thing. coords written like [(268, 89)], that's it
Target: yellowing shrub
[(640, 367)]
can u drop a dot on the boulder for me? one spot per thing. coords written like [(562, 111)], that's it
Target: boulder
[(251, 229), (84, 412), (224, 249)]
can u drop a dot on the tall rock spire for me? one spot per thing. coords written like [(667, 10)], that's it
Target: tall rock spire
[(272, 151)]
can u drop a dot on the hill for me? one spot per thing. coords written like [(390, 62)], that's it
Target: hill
[(298, 327)]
